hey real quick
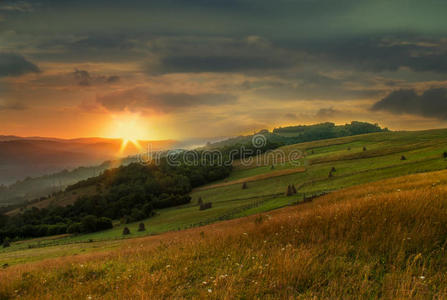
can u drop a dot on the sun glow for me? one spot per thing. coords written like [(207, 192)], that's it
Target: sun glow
[(130, 129)]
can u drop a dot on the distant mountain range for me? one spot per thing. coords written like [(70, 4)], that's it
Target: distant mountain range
[(22, 157)]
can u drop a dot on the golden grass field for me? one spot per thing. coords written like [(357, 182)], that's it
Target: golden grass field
[(381, 240)]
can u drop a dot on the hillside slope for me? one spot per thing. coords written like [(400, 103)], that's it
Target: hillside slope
[(380, 240), (353, 165)]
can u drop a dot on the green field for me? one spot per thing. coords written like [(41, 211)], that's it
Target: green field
[(382, 159)]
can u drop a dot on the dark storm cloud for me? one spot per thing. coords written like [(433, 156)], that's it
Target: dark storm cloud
[(219, 64), (105, 47), (141, 99), (431, 103), (12, 64), (102, 42), (215, 54), (314, 86), (381, 53)]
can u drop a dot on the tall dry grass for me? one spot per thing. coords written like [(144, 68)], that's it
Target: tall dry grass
[(381, 240)]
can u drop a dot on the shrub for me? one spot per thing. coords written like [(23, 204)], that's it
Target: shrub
[(141, 227), (207, 205), (89, 224), (403, 157), (126, 231), (364, 148), (104, 223), (444, 154), (200, 201), (244, 186), (6, 243), (333, 169)]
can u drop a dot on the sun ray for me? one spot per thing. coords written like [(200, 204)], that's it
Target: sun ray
[(130, 129)]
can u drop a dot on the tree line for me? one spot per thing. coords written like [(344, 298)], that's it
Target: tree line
[(127, 193)]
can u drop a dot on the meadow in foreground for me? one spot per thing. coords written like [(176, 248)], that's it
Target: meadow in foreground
[(385, 239)]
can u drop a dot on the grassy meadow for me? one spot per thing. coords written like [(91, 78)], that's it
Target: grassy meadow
[(380, 240), (382, 159), (325, 249)]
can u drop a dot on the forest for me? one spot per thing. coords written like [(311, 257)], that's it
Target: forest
[(128, 193)]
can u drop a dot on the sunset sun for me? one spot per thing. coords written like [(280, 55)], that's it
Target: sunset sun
[(130, 129)]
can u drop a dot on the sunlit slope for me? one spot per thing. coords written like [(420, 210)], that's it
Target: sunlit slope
[(382, 159), (356, 159), (380, 240)]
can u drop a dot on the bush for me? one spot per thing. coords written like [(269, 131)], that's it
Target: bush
[(403, 157), (141, 227), (207, 205), (6, 243), (104, 224), (89, 224), (126, 231), (244, 186)]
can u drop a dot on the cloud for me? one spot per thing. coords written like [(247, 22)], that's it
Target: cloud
[(113, 79), (383, 53), (431, 103), (84, 78), (213, 54), (141, 99), (19, 6), (218, 64), (326, 113), (12, 64), (12, 106)]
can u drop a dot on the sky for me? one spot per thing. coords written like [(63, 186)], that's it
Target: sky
[(188, 69)]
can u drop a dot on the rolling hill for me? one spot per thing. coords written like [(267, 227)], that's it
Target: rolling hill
[(374, 231), (36, 156), (356, 160), (379, 240)]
